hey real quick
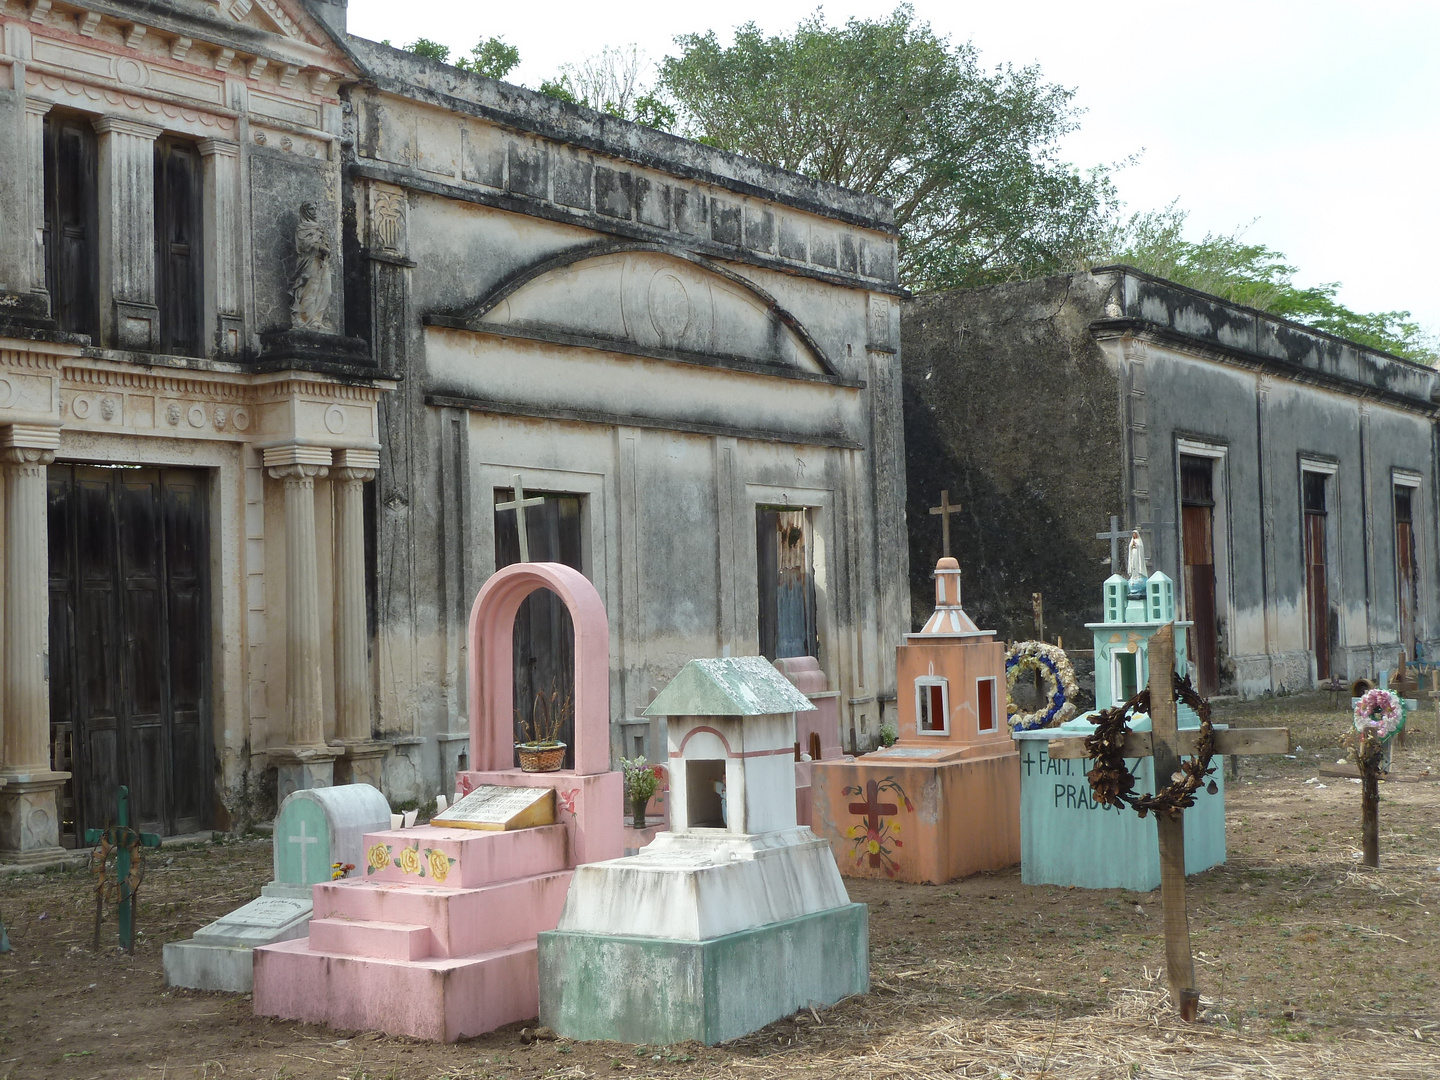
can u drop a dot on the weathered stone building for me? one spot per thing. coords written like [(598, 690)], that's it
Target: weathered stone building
[(283, 313), (1285, 479)]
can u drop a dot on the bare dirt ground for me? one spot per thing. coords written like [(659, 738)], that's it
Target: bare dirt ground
[(1308, 965)]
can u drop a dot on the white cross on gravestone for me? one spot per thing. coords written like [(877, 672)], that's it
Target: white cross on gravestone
[(518, 504), (1115, 535), (304, 840)]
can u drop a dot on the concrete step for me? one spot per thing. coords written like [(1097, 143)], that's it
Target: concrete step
[(462, 858), (378, 940), (461, 922), (436, 998)]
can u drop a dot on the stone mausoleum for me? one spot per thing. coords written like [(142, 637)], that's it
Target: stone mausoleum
[(287, 318)]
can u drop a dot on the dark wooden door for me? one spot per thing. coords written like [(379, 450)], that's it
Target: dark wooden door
[(544, 635), (1197, 512), (1405, 569), (72, 210), (1317, 574), (178, 249), (129, 644), (786, 584)]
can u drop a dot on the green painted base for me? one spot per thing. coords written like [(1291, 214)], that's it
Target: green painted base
[(661, 991)]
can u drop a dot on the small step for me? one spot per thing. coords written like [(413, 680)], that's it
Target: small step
[(370, 938)]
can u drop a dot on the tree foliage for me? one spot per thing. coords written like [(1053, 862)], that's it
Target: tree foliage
[(493, 57), (968, 155), (1227, 266), (612, 81)]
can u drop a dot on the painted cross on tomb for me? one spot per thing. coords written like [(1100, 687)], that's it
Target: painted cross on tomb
[(876, 836), (518, 504), (1115, 535), (304, 839), (944, 510)]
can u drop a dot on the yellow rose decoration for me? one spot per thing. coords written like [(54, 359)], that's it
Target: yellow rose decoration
[(873, 847), (377, 857), (439, 864), (409, 860)]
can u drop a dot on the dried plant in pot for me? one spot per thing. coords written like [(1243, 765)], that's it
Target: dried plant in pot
[(541, 749)]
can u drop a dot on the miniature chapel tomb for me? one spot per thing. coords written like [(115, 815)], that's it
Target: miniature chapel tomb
[(944, 801), (434, 936), (736, 917)]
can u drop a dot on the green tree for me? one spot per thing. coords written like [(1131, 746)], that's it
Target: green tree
[(612, 81), (431, 50), (968, 155), (1227, 266), (493, 57)]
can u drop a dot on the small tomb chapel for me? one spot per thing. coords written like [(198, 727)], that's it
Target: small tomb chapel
[(434, 936), (1066, 838), (942, 802), (733, 919)]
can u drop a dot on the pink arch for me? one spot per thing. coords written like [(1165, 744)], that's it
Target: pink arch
[(491, 668)]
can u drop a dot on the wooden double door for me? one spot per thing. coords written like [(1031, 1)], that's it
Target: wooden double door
[(130, 645)]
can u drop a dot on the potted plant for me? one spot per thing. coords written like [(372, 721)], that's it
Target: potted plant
[(641, 782), (541, 749)]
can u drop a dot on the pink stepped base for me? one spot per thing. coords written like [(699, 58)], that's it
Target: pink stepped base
[(407, 955)]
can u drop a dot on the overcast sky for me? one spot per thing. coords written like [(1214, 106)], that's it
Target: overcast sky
[(1319, 121)]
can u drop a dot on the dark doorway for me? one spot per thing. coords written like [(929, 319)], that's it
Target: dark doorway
[(179, 283), (1197, 512), (786, 583), (1317, 573), (72, 213), (544, 635), (130, 645), (1406, 575)]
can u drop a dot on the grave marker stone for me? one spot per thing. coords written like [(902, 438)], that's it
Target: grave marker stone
[(497, 809)]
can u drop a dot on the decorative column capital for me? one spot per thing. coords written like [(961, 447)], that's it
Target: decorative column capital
[(29, 444), (38, 106), (119, 125), (298, 472), (218, 148), (356, 465), (27, 455), (280, 460)]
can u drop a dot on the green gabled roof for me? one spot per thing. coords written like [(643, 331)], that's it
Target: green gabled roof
[(729, 686)]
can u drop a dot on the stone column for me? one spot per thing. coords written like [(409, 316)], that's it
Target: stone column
[(129, 317), (29, 821), (35, 173), (306, 762), (221, 208), (363, 757)]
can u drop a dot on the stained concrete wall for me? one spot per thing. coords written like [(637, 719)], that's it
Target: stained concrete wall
[(1055, 403)]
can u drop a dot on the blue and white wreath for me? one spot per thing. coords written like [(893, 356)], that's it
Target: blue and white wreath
[(1061, 689)]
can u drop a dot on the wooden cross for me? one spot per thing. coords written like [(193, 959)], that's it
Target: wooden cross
[(945, 509), (873, 810), (518, 504), (1164, 744), (1115, 535)]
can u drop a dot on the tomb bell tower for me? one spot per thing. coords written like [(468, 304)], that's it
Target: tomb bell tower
[(1122, 638)]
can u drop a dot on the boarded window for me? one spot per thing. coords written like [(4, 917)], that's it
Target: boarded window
[(1197, 512), (786, 582), (1317, 574), (72, 212), (1406, 568), (179, 251)]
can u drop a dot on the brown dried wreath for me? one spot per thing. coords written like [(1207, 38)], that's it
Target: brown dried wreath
[(1111, 779)]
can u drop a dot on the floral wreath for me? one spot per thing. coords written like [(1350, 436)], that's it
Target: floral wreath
[(1056, 669), (1379, 715), (1111, 779)]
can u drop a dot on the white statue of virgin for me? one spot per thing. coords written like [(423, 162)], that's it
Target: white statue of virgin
[(1135, 566)]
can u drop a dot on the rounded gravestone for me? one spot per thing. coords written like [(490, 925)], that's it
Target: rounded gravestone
[(321, 826)]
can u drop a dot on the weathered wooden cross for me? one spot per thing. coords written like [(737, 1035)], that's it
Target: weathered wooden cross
[(944, 510), (1115, 535), (126, 843), (1164, 744), (518, 504)]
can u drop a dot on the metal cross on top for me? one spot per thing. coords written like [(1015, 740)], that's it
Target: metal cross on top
[(518, 504), (945, 509), (1165, 743), (1115, 535)]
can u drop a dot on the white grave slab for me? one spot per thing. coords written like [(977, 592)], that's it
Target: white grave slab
[(495, 808), (314, 829)]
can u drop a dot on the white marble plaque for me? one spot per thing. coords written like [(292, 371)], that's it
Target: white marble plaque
[(910, 751), (494, 807)]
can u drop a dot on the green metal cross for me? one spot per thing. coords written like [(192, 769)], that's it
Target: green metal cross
[(127, 843)]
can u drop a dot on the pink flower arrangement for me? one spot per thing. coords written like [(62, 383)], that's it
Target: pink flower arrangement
[(1379, 713)]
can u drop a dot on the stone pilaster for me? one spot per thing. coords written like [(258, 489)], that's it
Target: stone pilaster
[(29, 821), (306, 761), (363, 757), (130, 319), (221, 210), (35, 182)]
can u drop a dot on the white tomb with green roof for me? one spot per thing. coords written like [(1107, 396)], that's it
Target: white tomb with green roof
[(1066, 837), (736, 917)]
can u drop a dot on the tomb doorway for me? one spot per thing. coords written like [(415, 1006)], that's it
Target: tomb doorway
[(129, 558), (1317, 573), (1407, 590), (1197, 510), (544, 636), (784, 565)]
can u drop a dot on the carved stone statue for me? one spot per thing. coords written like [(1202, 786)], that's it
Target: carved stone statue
[(1135, 566), (310, 288)]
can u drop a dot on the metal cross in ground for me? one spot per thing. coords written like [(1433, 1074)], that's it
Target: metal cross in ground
[(1115, 535), (1165, 744), (518, 504), (944, 510), (126, 843)]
